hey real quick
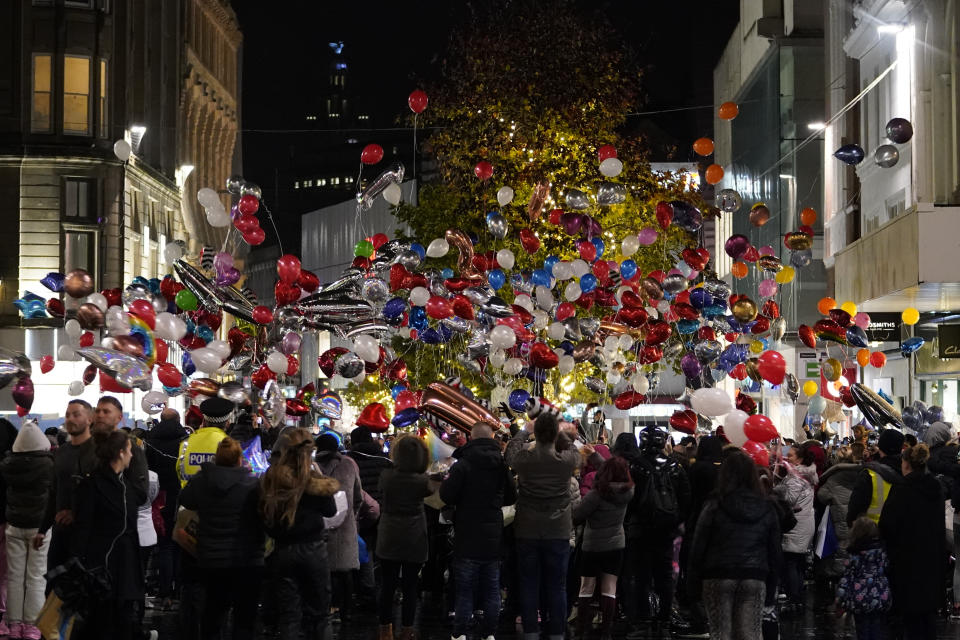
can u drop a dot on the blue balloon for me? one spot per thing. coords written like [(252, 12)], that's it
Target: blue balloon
[(491, 214), (713, 310), (598, 244), (396, 390), (186, 364), (430, 336), (518, 400), (849, 154), (53, 281), (542, 277), (628, 269), (141, 280), (405, 418), (205, 333), (191, 325), (394, 308), (857, 336), (154, 286), (588, 282), (417, 248), (685, 326), (418, 318), (474, 238), (446, 273), (534, 374), (496, 278), (910, 345), (550, 262), (445, 333), (699, 298), (567, 347)]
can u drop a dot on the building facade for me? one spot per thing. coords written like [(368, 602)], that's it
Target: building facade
[(80, 75)]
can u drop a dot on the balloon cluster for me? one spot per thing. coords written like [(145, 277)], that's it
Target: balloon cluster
[(898, 131)]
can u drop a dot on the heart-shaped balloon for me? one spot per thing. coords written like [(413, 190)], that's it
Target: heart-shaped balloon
[(840, 316), (529, 241), (398, 273), (657, 332), (830, 330), (633, 316), (632, 299), (664, 213), (685, 421), (807, 336), (628, 400), (374, 417), (328, 359), (297, 408), (286, 293), (542, 357), (695, 258)]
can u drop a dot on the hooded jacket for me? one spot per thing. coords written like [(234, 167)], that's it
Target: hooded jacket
[(28, 476), (371, 461), (836, 486), (737, 537), (543, 498), (603, 516), (162, 445), (8, 433), (342, 549), (798, 493), (226, 501), (315, 504), (913, 528), (479, 485), (889, 469)]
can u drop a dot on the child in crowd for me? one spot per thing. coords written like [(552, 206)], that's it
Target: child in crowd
[(864, 589)]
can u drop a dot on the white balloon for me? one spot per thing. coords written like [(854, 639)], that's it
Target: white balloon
[(505, 196), (562, 271), (207, 360), (572, 291), (117, 321), (497, 358), (513, 366), (359, 379), (72, 329), (611, 167), (625, 342), (506, 259), (66, 352), (556, 331), (170, 327), (276, 362), (217, 216), (172, 252), (684, 269), (98, 300), (220, 347), (580, 268), (393, 193), (524, 301), (207, 196), (153, 402), (437, 248), (663, 306), (630, 245), (75, 388), (367, 348), (544, 297), (611, 343), (419, 296), (653, 313), (540, 319), (503, 337), (733, 427), (613, 378), (107, 343), (566, 364), (121, 149), (711, 403), (640, 383)]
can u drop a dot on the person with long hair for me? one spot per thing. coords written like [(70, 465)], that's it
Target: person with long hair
[(913, 528), (105, 538), (402, 544), (736, 551), (603, 509), (295, 499)]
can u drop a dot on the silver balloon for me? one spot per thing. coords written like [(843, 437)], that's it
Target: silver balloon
[(589, 326), (801, 258), (455, 324), (251, 189), (611, 193), (886, 156), (273, 404), (717, 288), (576, 199), (707, 350), (350, 280), (654, 379), (235, 184), (409, 259), (369, 327), (349, 365), (129, 371), (478, 295), (468, 363), (877, 410), (199, 284), (572, 330), (235, 392), (12, 366), (778, 326), (393, 175), (675, 283), (729, 200), (673, 350), (375, 290), (136, 291), (497, 225), (497, 308), (595, 385), (791, 387)]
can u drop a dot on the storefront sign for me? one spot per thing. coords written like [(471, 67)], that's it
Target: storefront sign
[(948, 337), (884, 327)]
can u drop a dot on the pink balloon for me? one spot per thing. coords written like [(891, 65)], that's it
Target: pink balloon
[(862, 320), (290, 343), (693, 274), (766, 250), (767, 288), (674, 271), (647, 236)]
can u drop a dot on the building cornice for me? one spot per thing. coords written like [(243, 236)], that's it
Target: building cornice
[(868, 15), (225, 18), (196, 73)]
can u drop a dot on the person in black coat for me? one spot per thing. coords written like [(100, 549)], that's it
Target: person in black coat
[(886, 470), (371, 461), (478, 486), (230, 540), (105, 538), (912, 526)]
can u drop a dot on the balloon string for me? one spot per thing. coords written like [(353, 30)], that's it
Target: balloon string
[(273, 224), (415, 147)]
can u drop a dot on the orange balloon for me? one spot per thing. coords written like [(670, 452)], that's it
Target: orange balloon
[(739, 269), (878, 359), (863, 357), (714, 174), (728, 111), (808, 216), (826, 304), (703, 146)]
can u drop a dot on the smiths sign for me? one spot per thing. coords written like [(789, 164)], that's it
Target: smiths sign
[(884, 327), (948, 337)]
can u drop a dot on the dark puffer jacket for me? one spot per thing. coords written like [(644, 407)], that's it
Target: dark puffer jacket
[(371, 461), (479, 485), (226, 501), (603, 516), (162, 446), (29, 479), (642, 469), (738, 537)]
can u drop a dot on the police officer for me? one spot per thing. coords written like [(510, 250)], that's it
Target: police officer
[(874, 482), (201, 446)]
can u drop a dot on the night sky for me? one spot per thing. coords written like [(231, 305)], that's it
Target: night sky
[(392, 47)]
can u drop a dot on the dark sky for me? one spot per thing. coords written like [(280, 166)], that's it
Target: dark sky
[(392, 45)]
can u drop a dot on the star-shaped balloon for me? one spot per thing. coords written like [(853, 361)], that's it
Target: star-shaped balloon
[(129, 371), (31, 305)]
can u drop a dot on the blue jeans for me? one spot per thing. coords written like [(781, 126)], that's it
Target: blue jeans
[(542, 565), (477, 583)]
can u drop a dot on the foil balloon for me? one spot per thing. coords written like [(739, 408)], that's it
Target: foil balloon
[(830, 331), (23, 392), (459, 239), (129, 372), (235, 392), (744, 309), (328, 404), (877, 410), (910, 345), (610, 193), (759, 214), (791, 387), (272, 403), (392, 175), (899, 130), (78, 284), (576, 199), (446, 403), (798, 241), (253, 457), (851, 154), (886, 156), (728, 200), (13, 365)]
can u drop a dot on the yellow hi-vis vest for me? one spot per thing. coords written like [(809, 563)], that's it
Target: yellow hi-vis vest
[(881, 489), (200, 447)]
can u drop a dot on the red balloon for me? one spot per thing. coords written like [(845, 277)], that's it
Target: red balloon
[(772, 367), (632, 299), (587, 250), (46, 364), (371, 154), (405, 400), (255, 236), (761, 325), (109, 384), (89, 374), (288, 268), (114, 296), (86, 339), (169, 375), (398, 273), (759, 428), (554, 216), (293, 365), (297, 407), (542, 357), (55, 307), (878, 359), (417, 101), (286, 293), (649, 354), (462, 307), (162, 351), (396, 370), (629, 400), (483, 170), (807, 336), (168, 287), (245, 223), (262, 314), (237, 339), (248, 204), (685, 421), (657, 332), (374, 417), (144, 310), (757, 452), (262, 376), (633, 316), (664, 213), (328, 360), (530, 241), (565, 310), (439, 308), (378, 240), (606, 151), (744, 402)]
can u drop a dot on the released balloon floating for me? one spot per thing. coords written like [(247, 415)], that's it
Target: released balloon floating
[(728, 111), (703, 146)]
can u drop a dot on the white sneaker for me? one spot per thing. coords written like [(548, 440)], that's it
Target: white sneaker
[(489, 638), (458, 637)]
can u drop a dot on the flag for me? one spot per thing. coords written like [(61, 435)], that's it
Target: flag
[(826, 536)]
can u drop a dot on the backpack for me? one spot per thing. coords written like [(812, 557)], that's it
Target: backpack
[(656, 503)]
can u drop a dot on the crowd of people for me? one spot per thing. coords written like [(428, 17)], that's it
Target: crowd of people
[(645, 537)]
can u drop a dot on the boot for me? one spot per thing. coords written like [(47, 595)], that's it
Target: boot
[(407, 633), (583, 617), (386, 632), (608, 613)]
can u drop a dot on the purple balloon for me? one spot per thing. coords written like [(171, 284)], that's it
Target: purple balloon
[(571, 222), (222, 261), (227, 277), (736, 246), (690, 366), (290, 343), (591, 228), (23, 392)]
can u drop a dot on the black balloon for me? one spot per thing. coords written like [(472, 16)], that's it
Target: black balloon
[(851, 154), (899, 130)]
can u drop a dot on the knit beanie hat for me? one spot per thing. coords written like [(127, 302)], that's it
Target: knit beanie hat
[(30, 438), (890, 442)]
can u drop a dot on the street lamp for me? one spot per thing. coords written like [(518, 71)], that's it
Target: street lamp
[(137, 132)]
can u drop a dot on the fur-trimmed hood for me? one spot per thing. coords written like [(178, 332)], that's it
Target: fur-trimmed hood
[(323, 486)]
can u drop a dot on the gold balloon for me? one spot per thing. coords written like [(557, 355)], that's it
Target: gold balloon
[(799, 241), (744, 310), (78, 284), (584, 351), (651, 288), (446, 403), (753, 370), (90, 316), (832, 369), (771, 264), (759, 215), (204, 387)]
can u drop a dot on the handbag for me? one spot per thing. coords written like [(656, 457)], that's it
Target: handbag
[(53, 622), (186, 530)]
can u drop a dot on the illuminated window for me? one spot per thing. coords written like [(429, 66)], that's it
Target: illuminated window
[(349, 179), (102, 123), (296, 185), (307, 183), (334, 180), (322, 182), (78, 251), (161, 263), (40, 115), (76, 95)]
